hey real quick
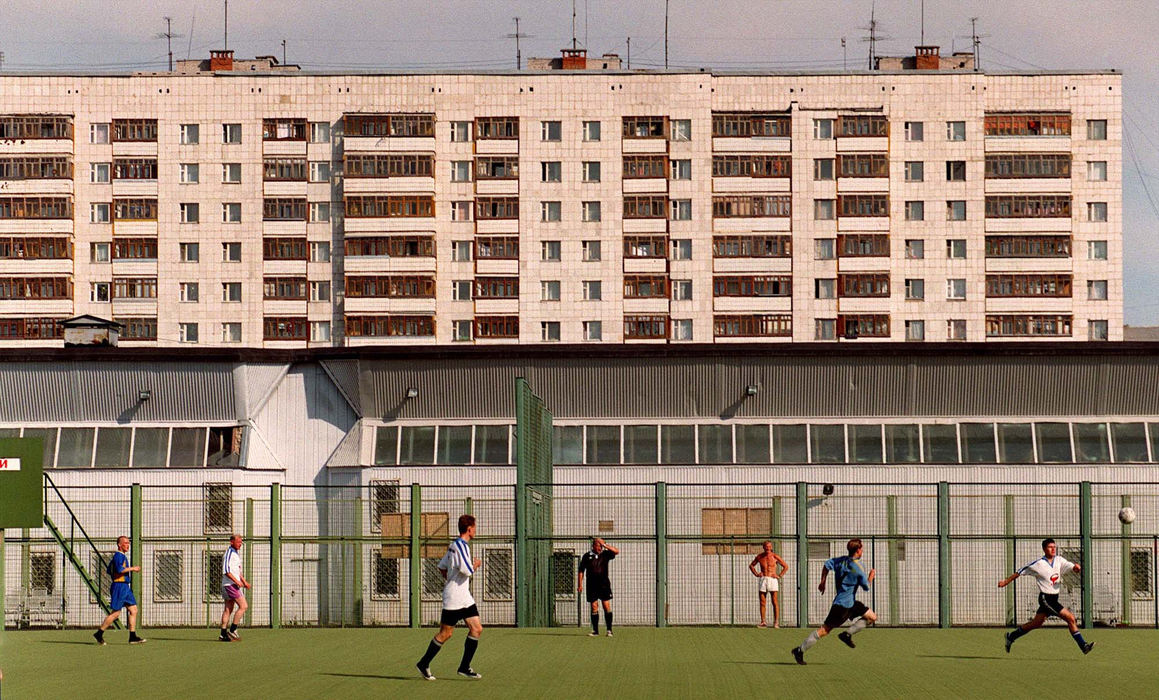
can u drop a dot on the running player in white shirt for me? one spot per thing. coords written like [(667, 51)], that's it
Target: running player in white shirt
[(457, 567), (233, 585), (1047, 571)]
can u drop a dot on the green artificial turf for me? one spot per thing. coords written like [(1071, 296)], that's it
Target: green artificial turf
[(566, 663)]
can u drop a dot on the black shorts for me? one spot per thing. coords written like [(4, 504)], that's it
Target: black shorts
[(599, 590), (838, 615), (1049, 605), (451, 617)]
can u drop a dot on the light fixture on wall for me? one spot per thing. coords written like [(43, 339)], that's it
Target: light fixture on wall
[(411, 392), (144, 394), (751, 390)]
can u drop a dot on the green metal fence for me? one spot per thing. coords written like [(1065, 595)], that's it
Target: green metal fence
[(366, 555)]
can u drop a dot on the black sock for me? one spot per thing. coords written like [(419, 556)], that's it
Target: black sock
[(596, 623), (233, 627), (608, 619), (1078, 639), (1018, 632), (224, 632), (432, 649), (468, 652)]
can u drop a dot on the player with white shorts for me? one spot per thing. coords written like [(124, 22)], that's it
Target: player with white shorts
[(768, 568)]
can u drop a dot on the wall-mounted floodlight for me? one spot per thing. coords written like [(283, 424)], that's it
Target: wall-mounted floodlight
[(827, 490), (751, 390), (144, 394), (412, 392)]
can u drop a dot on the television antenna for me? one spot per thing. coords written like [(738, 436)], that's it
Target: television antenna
[(168, 35), (873, 27), (517, 36), (975, 40)]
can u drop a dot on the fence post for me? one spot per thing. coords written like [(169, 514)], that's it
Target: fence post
[(416, 560), (661, 554), (1011, 553), (356, 546), (1087, 555), (3, 583), (944, 574), (891, 528), (249, 552), (802, 502), (1125, 565), (275, 556), (135, 545)]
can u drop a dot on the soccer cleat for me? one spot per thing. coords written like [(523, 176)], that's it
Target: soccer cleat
[(425, 673), (1010, 642), (762, 625), (467, 673), (134, 639), (609, 633), (799, 655), (234, 636), (1087, 647), (99, 635), (848, 639), (593, 633), (224, 637)]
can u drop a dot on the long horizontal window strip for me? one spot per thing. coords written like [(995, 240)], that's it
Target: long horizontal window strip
[(645, 166), (138, 328), (854, 205), (862, 245), (135, 209), (284, 129), (497, 168), (863, 284), (637, 246), (279, 169), (31, 328), (751, 124), (35, 207), (390, 326), (289, 288), (1027, 165), (751, 205), (646, 287), (862, 125), (285, 248), (645, 207), (647, 327), (503, 128), (36, 168), (752, 286), (496, 287), (390, 206), (496, 327), (751, 165), (134, 130), (863, 325), (35, 126), (496, 208), (1029, 285), (1029, 325), (1028, 206), (284, 209), (443, 444), (391, 246), (645, 127), (134, 248), (35, 288), (380, 165), (752, 326), (285, 328), (1027, 124), (759, 246), (391, 124), (497, 247), (397, 286), (35, 248), (134, 287), (134, 168), (862, 165), (1009, 246), (73, 447)]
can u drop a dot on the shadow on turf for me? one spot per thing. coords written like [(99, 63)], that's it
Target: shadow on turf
[(372, 675), (971, 658), (67, 641), (775, 663)]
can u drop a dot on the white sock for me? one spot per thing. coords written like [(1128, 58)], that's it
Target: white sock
[(809, 641), (858, 626)]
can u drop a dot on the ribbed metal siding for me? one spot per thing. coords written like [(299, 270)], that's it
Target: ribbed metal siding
[(344, 373)]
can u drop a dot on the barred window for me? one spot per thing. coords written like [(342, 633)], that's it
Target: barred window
[(758, 246), (389, 326), (497, 208), (755, 165), (134, 287), (646, 287), (285, 328), (863, 205), (752, 286), (389, 206), (378, 165), (1029, 285), (862, 165), (498, 573), (33, 207), (497, 247), (1027, 124), (646, 327), (496, 326), (1028, 206), (862, 125), (168, 576), (35, 126), (134, 130), (134, 168), (749, 124), (862, 245), (751, 205), (1023, 165), (35, 248), (645, 127), (496, 128), (397, 286), (497, 168), (217, 500), (386, 578), (863, 325), (284, 129), (496, 287), (284, 209), (392, 246), (645, 246), (1028, 246), (752, 326), (390, 124), (645, 166), (871, 284), (283, 248), (293, 288), (285, 169), (42, 572), (1024, 325), (135, 209), (28, 167), (645, 207)]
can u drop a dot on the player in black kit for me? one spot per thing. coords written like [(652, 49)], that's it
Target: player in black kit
[(595, 562)]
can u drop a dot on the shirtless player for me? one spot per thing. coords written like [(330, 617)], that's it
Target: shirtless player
[(772, 568)]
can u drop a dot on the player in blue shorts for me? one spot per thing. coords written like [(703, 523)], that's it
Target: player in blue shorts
[(121, 593), (849, 576)]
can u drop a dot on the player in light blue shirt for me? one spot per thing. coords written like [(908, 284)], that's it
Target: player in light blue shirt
[(121, 593), (848, 578)]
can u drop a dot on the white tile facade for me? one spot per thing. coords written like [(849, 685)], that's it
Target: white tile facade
[(211, 101)]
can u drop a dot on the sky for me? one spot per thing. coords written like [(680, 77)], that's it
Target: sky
[(119, 35)]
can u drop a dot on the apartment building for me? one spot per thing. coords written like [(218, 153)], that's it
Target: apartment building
[(270, 207)]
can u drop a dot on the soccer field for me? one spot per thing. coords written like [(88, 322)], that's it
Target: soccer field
[(566, 663)]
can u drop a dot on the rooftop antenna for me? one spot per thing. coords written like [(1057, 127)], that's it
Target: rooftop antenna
[(629, 53), (975, 40), (283, 52), (517, 36), (1, 60), (585, 24), (168, 35), (665, 34), (844, 56), (226, 47), (572, 25), (923, 42), (192, 23), (873, 37)]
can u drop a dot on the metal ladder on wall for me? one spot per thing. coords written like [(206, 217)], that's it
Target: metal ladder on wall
[(69, 545)]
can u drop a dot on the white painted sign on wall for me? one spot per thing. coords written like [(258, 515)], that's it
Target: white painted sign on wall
[(9, 464)]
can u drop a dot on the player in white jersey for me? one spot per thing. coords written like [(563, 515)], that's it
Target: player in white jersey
[(1047, 571), (457, 567)]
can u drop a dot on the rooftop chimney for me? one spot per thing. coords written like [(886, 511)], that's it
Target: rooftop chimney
[(221, 59), (926, 58), (575, 59)]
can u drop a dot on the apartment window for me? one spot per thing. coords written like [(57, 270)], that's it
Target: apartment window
[(231, 292), (99, 172), (461, 251), (1097, 250), (591, 251), (319, 171), (822, 128), (231, 252), (956, 288), (1097, 330), (956, 249), (461, 330), (549, 211), (915, 211), (682, 290), (915, 289), (955, 171), (319, 212), (1097, 290), (231, 173), (915, 330), (549, 290), (591, 211), (591, 131), (231, 212), (189, 292), (915, 171), (551, 131), (1097, 170), (824, 209), (915, 131), (99, 291), (1024, 206), (681, 129), (461, 211), (591, 171), (1096, 211), (231, 332), (915, 249), (825, 288), (956, 329), (190, 134), (461, 171), (825, 249), (862, 165), (549, 331), (955, 131), (190, 212), (825, 329), (681, 169), (593, 290), (320, 251), (823, 168), (549, 251), (319, 132), (99, 212), (188, 173), (461, 290), (320, 290), (1027, 165), (593, 330), (551, 171), (1027, 124), (869, 284), (98, 133), (956, 210), (1097, 129), (681, 209), (231, 133), (644, 166), (682, 249), (461, 132), (862, 125), (682, 329), (187, 332), (189, 252)]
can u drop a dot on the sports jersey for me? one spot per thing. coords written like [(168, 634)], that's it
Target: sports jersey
[(1048, 573), (459, 567), (596, 565), (230, 564), (119, 563), (848, 578)]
